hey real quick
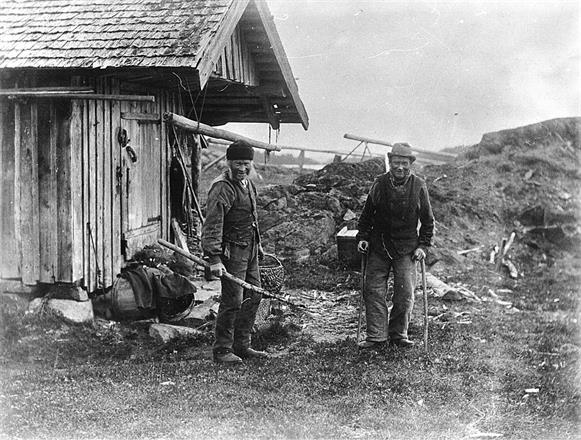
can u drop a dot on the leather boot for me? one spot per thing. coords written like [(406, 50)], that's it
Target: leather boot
[(371, 345), (249, 353), (227, 358), (402, 343)]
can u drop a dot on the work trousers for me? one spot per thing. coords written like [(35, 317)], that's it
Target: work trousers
[(238, 306), (381, 323)]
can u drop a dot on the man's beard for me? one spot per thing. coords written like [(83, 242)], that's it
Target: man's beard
[(406, 173)]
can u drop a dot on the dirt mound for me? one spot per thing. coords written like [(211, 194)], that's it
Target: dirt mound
[(524, 180), (555, 143)]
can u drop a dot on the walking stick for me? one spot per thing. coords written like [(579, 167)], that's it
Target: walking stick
[(363, 269), (423, 266)]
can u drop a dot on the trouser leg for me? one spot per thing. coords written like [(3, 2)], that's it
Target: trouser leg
[(375, 295), (251, 301), (404, 274), (231, 298)]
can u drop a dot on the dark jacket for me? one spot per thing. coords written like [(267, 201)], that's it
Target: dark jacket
[(230, 217), (390, 217)]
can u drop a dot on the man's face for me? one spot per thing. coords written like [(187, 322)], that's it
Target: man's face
[(399, 166), (239, 169)]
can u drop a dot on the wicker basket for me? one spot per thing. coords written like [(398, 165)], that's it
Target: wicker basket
[(271, 273)]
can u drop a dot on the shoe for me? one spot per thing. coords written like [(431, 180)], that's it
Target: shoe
[(227, 358), (368, 345), (402, 343), (250, 353)]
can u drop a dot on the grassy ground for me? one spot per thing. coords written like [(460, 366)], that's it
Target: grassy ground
[(112, 381)]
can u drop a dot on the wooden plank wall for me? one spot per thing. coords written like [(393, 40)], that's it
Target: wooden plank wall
[(64, 178), (101, 191), (9, 265), (236, 62)]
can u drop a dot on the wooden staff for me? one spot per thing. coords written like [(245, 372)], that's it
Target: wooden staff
[(424, 287), (227, 275), (363, 270)]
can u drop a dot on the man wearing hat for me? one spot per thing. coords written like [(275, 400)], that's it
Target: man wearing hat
[(396, 205), (231, 241)]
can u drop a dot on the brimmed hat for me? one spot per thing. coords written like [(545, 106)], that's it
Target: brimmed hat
[(240, 150), (402, 149)]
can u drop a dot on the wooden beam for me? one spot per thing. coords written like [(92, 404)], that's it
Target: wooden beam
[(197, 127), (26, 90), (74, 95), (141, 117)]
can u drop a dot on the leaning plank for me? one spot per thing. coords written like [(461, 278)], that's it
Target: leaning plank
[(179, 235), (197, 127)]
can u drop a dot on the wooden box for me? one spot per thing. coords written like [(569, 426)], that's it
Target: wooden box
[(347, 248)]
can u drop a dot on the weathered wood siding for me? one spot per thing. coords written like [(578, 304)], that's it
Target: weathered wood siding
[(71, 197), (236, 62)]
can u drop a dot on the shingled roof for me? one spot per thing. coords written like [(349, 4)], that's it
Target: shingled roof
[(108, 33), (158, 36)]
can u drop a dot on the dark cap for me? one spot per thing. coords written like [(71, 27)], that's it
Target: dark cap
[(402, 149), (240, 150)]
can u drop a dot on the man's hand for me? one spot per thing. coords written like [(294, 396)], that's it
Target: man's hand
[(363, 246), (260, 252), (419, 254), (217, 269)]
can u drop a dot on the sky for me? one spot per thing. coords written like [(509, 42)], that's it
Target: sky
[(434, 74)]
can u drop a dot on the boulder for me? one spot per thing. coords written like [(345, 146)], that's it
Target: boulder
[(73, 312)]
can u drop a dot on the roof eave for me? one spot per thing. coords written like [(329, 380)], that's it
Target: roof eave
[(282, 60)]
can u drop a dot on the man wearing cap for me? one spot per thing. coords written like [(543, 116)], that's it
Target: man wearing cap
[(231, 241), (396, 205)]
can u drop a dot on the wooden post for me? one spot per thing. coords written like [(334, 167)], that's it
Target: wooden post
[(196, 175)]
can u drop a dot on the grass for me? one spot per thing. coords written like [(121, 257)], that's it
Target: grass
[(113, 382)]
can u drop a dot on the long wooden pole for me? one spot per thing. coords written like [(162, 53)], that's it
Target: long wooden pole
[(360, 313), (227, 275), (424, 288), (197, 127), (430, 154)]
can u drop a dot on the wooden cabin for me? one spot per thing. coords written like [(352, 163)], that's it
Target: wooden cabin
[(84, 149)]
